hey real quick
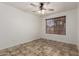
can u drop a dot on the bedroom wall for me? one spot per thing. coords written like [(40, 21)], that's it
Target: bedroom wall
[(71, 25), (17, 27)]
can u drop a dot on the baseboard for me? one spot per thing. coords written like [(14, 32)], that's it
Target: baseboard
[(78, 48), (17, 44)]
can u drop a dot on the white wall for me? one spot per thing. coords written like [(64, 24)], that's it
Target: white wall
[(17, 26), (71, 27)]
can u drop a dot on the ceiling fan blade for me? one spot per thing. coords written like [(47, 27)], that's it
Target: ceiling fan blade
[(33, 5), (33, 11), (50, 9)]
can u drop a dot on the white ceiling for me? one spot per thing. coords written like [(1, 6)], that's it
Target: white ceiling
[(57, 6)]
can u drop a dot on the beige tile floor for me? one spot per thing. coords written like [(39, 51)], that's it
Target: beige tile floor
[(41, 47)]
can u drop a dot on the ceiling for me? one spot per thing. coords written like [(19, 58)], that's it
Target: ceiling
[(57, 6)]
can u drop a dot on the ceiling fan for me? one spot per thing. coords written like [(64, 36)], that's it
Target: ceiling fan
[(41, 7)]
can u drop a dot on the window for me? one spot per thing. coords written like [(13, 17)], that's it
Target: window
[(56, 25)]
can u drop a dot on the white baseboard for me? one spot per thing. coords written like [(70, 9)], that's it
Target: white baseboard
[(78, 48)]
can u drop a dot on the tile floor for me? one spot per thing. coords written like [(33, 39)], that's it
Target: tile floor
[(41, 47)]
